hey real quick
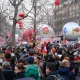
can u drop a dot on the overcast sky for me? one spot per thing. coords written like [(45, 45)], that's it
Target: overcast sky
[(27, 5)]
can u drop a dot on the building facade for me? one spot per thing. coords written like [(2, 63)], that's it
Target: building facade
[(67, 11)]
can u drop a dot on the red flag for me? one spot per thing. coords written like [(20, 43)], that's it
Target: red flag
[(44, 49)]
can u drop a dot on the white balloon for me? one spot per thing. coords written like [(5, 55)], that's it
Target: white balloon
[(69, 31), (45, 32), (45, 29)]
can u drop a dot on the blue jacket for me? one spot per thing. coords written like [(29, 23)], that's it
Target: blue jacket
[(66, 73)]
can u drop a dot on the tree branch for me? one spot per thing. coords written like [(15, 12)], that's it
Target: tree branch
[(24, 7), (19, 2), (31, 17), (25, 15), (28, 13), (39, 20), (11, 2)]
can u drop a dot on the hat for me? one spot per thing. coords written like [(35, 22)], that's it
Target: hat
[(53, 50), (30, 60), (6, 63), (7, 51)]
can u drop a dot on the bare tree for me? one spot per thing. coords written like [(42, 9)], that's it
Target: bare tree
[(40, 14), (16, 4), (43, 13), (4, 25), (36, 11)]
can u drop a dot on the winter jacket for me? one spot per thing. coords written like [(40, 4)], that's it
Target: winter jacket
[(1, 75), (49, 77), (66, 73), (8, 74), (20, 75)]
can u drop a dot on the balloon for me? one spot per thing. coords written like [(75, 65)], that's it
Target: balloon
[(57, 2), (45, 29), (42, 31), (21, 14), (20, 24), (28, 34), (71, 31), (45, 32)]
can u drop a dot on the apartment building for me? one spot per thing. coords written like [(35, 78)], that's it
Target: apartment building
[(67, 11)]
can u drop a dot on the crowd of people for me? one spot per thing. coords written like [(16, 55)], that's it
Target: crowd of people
[(61, 62)]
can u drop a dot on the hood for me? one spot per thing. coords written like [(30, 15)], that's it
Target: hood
[(63, 70), (32, 71)]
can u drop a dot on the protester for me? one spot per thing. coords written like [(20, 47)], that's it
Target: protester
[(27, 63), (19, 71), (7, 71), (31, 69), (50, 71), (1, 75), (13, 61), (65, 72)]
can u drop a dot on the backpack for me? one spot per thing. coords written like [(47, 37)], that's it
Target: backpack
[(57, 77)]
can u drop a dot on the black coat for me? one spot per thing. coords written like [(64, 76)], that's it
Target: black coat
[(19, 75), (8, 74), (1, 75), (49, 77)]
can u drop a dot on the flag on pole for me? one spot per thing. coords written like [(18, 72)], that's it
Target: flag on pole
[(44, 49)]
